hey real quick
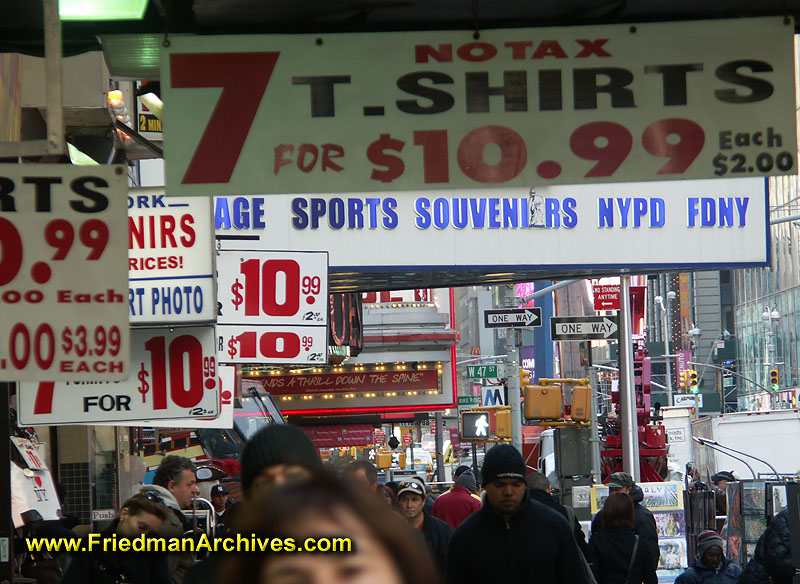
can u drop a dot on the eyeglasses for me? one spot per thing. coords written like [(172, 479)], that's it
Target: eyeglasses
[(153, 497), (411, 485)]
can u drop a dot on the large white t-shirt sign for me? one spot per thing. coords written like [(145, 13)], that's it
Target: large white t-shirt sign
[(401, 111), (63, 273)]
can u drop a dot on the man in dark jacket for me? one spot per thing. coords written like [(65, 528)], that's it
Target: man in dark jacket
[(710, 563), (411, 500), (644, 522), (512, 539), (539, 491), (773, 555)]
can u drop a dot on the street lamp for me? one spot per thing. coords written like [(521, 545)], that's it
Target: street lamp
[(665, 313), (769, 316)]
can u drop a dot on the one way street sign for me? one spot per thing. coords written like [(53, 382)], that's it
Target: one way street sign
[(512, 317), (583, 328)]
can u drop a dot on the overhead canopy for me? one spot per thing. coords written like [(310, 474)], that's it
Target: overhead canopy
[(21, 25)]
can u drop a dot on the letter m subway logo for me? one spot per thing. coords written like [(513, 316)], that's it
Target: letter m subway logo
[(243, 78)]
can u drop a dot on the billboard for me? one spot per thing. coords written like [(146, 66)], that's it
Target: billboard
[(415, 110)]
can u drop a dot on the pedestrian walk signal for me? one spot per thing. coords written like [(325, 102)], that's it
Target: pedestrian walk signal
[(691, 381), (475, 426), (774, 382)]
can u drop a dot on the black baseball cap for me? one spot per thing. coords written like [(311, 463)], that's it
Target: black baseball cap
[(218, 490)]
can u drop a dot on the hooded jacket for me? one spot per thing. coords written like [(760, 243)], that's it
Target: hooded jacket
[(175, 525), (728, 573), (107, 567), (533, 546)]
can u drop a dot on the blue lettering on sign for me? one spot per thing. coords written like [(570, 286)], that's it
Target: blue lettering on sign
[(339, 213), (237, 213), (717, 212), (166, 300), (479, 213), (146, 201), (632, 211)]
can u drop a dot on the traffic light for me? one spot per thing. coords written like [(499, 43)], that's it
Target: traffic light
[(682, 381), (502, 423), (774, 382), (383, 460), (691, 381), (475, 425), (524, 377)]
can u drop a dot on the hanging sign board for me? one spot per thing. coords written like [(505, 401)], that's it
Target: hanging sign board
[(170, 259), (421, 110), (63, 273), (273, 307), (459, 235), (174, 376)]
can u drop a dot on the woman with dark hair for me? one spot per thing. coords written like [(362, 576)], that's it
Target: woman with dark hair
[(384, 549), (142, 514), (620, 556)]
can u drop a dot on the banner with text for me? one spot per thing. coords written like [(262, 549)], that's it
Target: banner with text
[(517, 107), (63, 278), (557, 229), (170, 259), (174, 375)]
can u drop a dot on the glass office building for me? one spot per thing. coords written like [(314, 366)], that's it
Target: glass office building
[(767, 310)]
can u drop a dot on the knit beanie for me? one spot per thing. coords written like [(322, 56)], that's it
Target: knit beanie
[(467, 480), (277, 444), (502, 462), (708, 539)]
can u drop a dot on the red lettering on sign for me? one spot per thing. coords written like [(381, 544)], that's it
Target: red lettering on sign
[(243, 78)]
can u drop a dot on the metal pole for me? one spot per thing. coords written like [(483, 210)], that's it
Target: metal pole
[(667, 334), (6, 524), (594, 438), (52, 66), (512, 350), (437, 438), (513, 342), (627, 397)]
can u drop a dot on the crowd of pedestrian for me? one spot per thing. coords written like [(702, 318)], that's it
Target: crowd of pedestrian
[(504, 526)]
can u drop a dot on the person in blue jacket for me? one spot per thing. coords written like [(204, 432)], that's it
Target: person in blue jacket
[(710, 563)]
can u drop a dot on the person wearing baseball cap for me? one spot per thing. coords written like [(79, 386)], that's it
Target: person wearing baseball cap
[(411, 500), (219, 499), (710, 563), (512, 539), (644, 522)]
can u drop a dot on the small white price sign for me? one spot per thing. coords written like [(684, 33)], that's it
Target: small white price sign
[(281, 344), (63, 273), (173, 375), (273, 307), (285, 287)]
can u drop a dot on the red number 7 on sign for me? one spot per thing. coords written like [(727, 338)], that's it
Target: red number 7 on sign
[(243, 78)]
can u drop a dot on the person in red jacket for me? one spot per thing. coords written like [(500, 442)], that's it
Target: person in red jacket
[(457, 504)]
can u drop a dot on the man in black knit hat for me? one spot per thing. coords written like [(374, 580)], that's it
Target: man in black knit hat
[(275, 455), (512, 538)]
